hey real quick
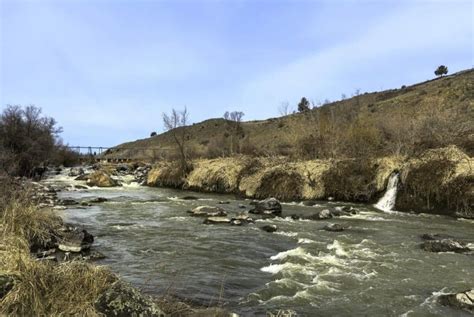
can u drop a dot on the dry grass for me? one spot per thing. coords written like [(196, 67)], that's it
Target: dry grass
[(47, 289), (42, 288), (21, 218)]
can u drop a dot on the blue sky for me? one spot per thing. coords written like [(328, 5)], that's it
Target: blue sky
[(107, 69)]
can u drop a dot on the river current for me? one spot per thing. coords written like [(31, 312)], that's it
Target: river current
[(374, 268)]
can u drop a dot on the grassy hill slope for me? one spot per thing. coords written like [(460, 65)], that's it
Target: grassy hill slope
[(403, 121)]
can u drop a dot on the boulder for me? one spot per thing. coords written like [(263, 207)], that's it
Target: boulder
[(269, 228), (334, 227), (189, 198), (98, 200), (217, 220), (269, 206), (68, 202), (6, 284), (462, 300), (122, 300), (208, 211), (321, 215), (76, 171), (74, 240), (101, 179), (445, 245)]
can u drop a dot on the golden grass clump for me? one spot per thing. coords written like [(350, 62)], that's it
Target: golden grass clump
[(20, 217), (42, 288)]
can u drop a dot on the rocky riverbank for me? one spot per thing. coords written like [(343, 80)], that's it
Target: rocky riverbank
[(63, 249)]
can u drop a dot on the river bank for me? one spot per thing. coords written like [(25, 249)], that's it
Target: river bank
[(438, 181)]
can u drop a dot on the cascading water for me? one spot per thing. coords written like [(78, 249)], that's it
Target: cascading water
[(387, 202)]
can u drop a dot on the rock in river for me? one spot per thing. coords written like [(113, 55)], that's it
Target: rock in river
[(462, 300), (334, 227), (217, 220), (270, 206), (75, 240), (76, 171), (269, 228), (445, 245), (208, 211), (101, 179)]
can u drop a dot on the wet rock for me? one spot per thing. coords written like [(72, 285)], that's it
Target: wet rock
[(270, 206), (309, 203), (102, 179), (68, 202), (6, 284), (216, 220), (80, 187), (98, 200), (86, 204), (242, 206), (224, 202), (463, 300), (122, 300), (241, 219), (321, 215), (93, 255), (74, 240), (76, 171), (445, 245), (269, 228), (335, 227), (189, 198), (208, 211)]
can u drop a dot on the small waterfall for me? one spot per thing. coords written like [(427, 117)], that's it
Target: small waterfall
[(387, 202)]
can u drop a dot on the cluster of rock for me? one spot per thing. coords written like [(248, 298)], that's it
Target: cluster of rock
[(443, 243)]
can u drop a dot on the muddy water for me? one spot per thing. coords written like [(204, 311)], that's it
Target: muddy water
[(375, 268)]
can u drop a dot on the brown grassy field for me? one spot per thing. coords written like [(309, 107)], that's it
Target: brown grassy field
[(402, 121)]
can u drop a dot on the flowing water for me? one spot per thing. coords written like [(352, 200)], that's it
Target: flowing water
[(374, 268)]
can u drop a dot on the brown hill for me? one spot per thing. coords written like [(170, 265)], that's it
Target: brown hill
[(403, 121)]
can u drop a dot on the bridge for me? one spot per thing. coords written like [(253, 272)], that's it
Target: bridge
[(96, 153)]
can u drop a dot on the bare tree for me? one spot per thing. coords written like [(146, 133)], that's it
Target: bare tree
[(175, 123), (284, 108), (234, 119)]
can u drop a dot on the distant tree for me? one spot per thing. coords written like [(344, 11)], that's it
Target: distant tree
[(303, 105), (235, 119), (175, 123), (152, 134), (441, 70), (343, 96), (284, 108)]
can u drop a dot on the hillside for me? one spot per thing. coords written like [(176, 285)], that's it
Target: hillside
[(403, 121)]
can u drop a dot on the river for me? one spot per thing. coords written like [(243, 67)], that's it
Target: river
[(374, 268)]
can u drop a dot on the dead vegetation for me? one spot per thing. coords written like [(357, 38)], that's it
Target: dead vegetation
[(41, 288)]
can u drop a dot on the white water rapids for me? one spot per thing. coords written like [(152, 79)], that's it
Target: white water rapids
[(387, 202)]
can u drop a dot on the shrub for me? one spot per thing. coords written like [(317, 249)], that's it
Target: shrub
[(351, 180)]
